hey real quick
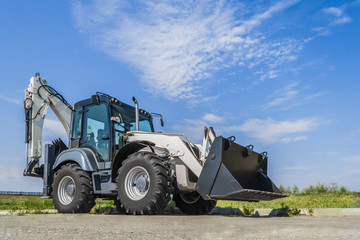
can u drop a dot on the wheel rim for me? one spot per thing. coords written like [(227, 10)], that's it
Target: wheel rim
[(137, 183), (66, 190), (190, 198)]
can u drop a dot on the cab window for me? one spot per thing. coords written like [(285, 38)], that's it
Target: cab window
[(96, 130)]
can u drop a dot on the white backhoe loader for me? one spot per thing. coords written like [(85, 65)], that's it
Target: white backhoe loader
[(115, 153)]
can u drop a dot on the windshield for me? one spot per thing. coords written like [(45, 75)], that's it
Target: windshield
[(126, 114)]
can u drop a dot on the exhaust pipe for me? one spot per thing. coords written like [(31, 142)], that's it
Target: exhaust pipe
[(136, 113)]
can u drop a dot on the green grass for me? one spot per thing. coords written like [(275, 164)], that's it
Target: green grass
[(13, 202), (318, 196), (34, 204), (314, 196), (103, 207), (323, 200)]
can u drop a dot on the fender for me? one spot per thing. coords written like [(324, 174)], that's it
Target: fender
[(125, 152), (85, 157)]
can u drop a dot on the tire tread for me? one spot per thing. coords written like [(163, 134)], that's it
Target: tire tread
[(86, 200), (164, 182)]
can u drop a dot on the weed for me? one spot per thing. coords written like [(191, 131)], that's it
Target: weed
[(171, 208), (283, 211), (294, 212), (103, 207), (38, 211), (247, 211), (311, 211), (103, 210), (21, 213)]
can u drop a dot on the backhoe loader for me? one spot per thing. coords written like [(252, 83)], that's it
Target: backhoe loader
[(115, 153)]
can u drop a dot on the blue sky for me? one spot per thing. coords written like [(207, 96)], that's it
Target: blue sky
[(281, 75)]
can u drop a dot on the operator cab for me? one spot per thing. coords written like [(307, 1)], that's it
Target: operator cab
[(101, 123)]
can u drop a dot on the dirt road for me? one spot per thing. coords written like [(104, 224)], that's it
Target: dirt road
[(85, 226)]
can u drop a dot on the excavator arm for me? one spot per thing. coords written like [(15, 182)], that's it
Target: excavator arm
[(38, 97)]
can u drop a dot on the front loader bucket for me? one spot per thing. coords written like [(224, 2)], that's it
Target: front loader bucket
[(234, 172)]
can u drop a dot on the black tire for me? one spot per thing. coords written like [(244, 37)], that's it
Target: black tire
[(193, 204), (156, 184), (81, 199), (118, 206)]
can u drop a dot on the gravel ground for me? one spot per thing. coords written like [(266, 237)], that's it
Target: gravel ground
[(85, 226)]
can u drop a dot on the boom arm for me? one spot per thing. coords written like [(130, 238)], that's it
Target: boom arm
[(38, 97)]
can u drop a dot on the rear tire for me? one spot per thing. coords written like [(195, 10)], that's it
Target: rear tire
[(144, 184), (72, 190), (193, 204)]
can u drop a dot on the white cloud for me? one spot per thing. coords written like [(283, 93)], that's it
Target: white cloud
[(353, 158), (290, 96), (355, 2), (11, 172), (194, 128), (282, 96), (176, 45), (337, 12), (269, 75), (258, 18), (10, 100), (271, 131), (338, 15), (265, 131), (326, 153), (191, 128), (334, 16), (342, 20), (322, 31), (196, 101), (296, 168), (11, 178), (293, 139), (212, 118), (54, 129), (353, 172)]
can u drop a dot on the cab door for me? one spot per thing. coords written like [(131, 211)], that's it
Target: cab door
[(96, 131)]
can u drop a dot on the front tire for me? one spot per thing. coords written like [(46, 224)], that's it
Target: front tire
[(119, 208), (193, 204), (144, 184), (72, 190)]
